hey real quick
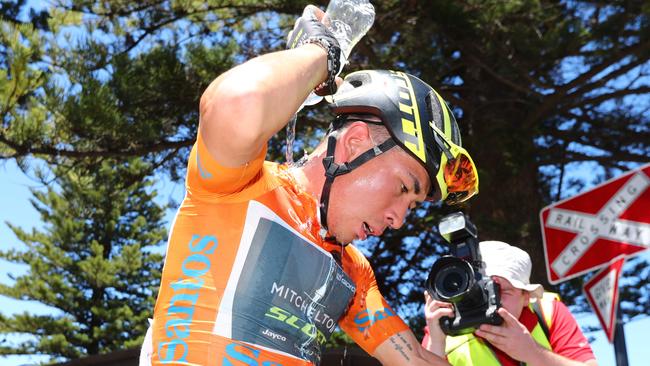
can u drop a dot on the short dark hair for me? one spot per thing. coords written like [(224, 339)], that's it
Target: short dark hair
[(378, 132)]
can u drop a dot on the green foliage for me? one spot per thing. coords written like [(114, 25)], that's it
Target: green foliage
[(339, 339), (21, 46), (94, 262), (539, 88)]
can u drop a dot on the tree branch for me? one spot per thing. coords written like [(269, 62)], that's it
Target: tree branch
[(24, 150), (551, 102)]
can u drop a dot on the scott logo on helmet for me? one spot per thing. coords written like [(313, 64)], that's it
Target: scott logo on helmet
[(409, 110)]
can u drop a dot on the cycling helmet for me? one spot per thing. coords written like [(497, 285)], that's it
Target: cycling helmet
[(419, 121)]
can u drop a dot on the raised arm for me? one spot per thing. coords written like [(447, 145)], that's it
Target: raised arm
[(245, 106)]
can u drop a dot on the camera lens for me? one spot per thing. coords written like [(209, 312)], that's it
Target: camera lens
[(452, 283), (449, 278)]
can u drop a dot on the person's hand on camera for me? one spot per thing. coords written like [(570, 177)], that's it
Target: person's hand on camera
[(433, 311), (511, 337)]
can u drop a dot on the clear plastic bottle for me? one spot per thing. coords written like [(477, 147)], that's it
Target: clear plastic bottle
[(349, 21)]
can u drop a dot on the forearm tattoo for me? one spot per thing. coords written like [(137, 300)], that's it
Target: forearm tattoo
[(400, 344), (408, 345)]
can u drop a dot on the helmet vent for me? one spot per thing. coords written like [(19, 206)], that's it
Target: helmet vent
[(433, 106), (359, 79), (356, 83)]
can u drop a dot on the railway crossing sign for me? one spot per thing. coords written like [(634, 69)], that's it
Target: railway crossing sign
[(589, 230)]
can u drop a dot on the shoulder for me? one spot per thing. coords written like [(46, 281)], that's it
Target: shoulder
[(206, 175), (553, 310), (561, 313), (567, 338), (356, 257), (354, 252), (357, 266)]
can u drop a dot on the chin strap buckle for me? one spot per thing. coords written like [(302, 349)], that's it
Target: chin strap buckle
[(333, 169)]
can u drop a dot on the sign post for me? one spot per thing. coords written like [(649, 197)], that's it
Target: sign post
[(620, 350)]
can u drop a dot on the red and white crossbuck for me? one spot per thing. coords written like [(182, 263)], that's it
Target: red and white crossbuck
[(589, 230)]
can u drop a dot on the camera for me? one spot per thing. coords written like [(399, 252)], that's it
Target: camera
[(458, 279)]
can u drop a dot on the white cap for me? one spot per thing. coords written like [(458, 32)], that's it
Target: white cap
[(503, 260)]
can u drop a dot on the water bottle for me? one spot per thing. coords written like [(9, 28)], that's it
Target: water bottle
[(349, 21)]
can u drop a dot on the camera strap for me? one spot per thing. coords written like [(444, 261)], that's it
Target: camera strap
[(540, 318)]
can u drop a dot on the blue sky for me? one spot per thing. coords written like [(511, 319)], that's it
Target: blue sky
[(15, 208)]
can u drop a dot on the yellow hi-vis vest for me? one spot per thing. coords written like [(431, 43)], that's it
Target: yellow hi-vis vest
[(466, 350)]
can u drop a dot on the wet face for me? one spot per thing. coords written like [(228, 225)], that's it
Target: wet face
[(512, 298), (377, 195)]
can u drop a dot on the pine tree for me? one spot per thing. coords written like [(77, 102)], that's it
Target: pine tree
[(540, 88), (96, 260)]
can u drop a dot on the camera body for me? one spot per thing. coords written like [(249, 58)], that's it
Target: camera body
[(457, 279)]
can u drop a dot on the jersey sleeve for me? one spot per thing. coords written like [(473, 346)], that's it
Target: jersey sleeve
[(370, 320), (566, 337), (205, 174)]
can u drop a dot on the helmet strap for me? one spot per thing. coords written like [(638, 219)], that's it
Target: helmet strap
[(333, 170)]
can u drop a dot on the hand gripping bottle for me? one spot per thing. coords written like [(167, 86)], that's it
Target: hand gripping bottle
[(349, 21)]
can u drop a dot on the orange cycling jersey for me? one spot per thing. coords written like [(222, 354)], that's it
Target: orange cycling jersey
[(248, 280)]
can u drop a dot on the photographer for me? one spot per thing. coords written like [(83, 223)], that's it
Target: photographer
[(537, 328)]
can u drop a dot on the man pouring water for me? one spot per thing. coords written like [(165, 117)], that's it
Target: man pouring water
[(259, 267)]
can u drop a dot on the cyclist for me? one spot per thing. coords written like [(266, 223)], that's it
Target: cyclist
[(258, 268)]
